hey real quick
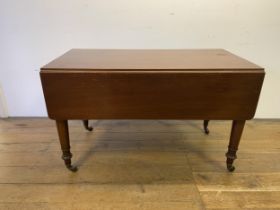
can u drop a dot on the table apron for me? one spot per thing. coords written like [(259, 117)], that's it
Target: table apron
[(140, 95)]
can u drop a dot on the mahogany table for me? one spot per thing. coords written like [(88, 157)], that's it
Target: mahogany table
[(205, 84)]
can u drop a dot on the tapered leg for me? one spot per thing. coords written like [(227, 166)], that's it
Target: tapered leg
[(63, 133), (205, 126), (236, 132), (89, 128)]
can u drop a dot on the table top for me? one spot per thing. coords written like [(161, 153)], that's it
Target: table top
[(147, 60)]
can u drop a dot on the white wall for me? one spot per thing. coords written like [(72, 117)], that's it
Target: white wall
[(32, 32)]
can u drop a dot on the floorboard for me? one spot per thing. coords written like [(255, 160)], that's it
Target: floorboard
[(147, 164)]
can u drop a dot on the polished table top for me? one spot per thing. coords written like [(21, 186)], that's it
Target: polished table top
[(157, 60)]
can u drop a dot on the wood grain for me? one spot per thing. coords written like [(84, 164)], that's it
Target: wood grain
[(103, 196), (99, 95), (148, 177), (184, 59), (241, 200)]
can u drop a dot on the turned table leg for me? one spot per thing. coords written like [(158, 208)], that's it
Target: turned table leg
[(89, 128), (63, 133), (205, 126), (236, 132)]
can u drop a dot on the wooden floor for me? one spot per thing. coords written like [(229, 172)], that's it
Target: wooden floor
[(136, 165)]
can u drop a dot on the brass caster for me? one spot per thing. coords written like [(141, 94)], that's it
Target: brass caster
[(206, 131), (66, 156), (230, 167), (87, 127), (72, 168), (205, 127)]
